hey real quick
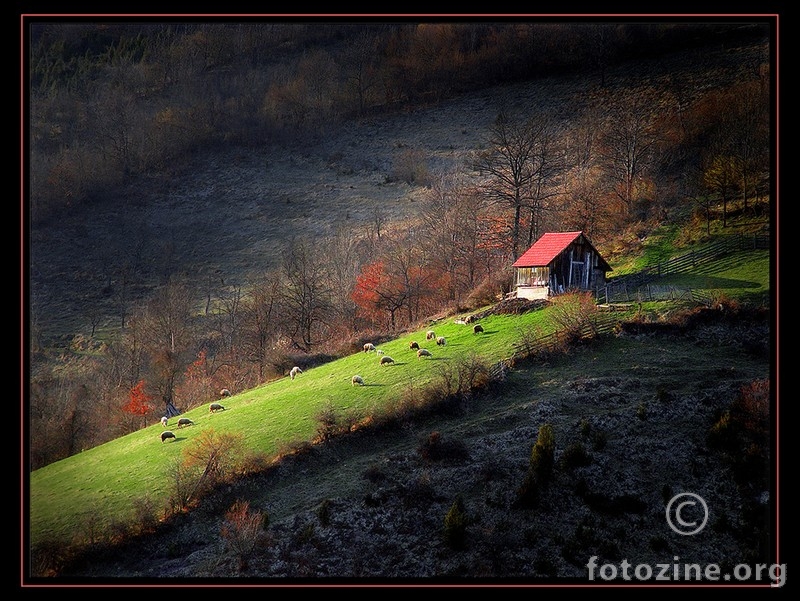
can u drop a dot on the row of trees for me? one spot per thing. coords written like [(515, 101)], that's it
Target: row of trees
[(109, 101)]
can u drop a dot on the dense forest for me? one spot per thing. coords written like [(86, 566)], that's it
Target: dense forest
[(111, 103)]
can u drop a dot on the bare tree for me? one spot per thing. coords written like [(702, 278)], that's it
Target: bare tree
[(450, 217), (360, 68), (260, 321), (168, 336), (628, 146), (306, 293), (519, 165)]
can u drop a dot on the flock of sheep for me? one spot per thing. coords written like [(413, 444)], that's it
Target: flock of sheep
[(385, 359), (356, 380), (185, 421)]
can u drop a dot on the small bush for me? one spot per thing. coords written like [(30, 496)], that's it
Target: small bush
[(324, 512), (599, 441), (455, 524), (420, 493), (575, 313), (663, 393), (433, 448), (327, 423), (543, 453), (574, 456), (374, 474), (528, 494), (241, 530)]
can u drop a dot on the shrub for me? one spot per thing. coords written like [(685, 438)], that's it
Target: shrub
[(214, 455), (327, 423), (543, 453), (742, 433), (575, 455), (420, 493), (540, 469), (241, 530), (455, 524), (575, 313), (324, 512), (433, 448), (374, 474)]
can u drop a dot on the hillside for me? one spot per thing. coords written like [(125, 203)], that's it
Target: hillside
[(371, 505), (222, 218), (640, 406)]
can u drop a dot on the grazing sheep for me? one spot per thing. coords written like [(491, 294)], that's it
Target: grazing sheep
[(413, 345), (166, 434), (224, 392), (295, 370), (430, 335), (369, 347), (423, 352), (469, 319), (164, 421), (185, 421), (357, 380), (386, 360), (215, 407), (440, 341), (477, 328)]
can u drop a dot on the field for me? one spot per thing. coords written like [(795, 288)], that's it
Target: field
[(104, 480)]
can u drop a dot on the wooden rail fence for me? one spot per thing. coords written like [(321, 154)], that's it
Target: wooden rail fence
[(639, 286)]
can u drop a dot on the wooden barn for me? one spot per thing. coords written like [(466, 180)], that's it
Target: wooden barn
[(559, 262)]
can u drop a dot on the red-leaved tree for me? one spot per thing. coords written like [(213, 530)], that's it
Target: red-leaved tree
[(378, 293), (139, 402)]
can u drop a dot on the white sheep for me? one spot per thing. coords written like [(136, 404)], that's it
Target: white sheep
[(386, 360), (440, 341), (477, 328), (185, 421), (224, 392), (166, 434), (164, 421), (369, 347), (215, 407), (357, 380), (423, 352), (430, 335), (295, 370)]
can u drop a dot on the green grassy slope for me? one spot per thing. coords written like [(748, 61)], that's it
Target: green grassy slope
[(101, 484)]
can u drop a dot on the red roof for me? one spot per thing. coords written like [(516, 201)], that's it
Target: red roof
[(547, 248)]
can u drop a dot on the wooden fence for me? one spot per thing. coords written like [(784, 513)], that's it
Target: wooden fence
[(639, 286), (598, 324)]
